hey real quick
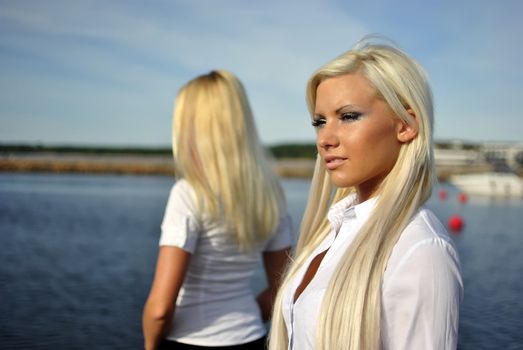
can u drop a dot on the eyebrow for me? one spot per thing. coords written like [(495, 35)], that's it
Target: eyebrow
[(351, 106), (339, 110)]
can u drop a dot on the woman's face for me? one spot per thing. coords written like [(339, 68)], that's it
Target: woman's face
[(357, 133)]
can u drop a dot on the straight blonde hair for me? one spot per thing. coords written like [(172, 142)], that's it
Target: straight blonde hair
[(217, 150), (351, 307)]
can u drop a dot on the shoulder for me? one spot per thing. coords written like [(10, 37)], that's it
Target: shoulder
[(181, 202), (424, 249), (424, 231), (182, 195), (422, 288), (180, 225), (282, 237), (425, 225), (182, 188)]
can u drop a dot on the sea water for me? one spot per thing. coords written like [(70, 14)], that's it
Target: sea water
[(77, 256)]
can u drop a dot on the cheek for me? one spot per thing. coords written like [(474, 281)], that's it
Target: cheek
[(384, 132), (371, 138), (388, 148), (382, 143)]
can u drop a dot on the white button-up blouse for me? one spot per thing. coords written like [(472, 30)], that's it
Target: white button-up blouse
[(216, 305), (421, 287)]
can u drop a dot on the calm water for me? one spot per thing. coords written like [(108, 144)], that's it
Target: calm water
[(77, 257)]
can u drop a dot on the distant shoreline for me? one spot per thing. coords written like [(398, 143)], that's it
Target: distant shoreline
[(123, 164), (158, 164)]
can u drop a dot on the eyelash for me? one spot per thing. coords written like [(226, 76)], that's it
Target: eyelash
[(316, 123), (344, 117), (350, 116)]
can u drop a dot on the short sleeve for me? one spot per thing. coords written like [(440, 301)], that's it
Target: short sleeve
[(282, 238), (421, 300), (180, 226)]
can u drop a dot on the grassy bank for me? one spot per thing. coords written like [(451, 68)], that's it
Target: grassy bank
[(291, 160), (124, 164)]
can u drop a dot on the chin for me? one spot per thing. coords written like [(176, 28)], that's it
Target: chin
[(340, 182)]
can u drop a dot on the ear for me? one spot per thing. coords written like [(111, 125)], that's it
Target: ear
[(406, 132)]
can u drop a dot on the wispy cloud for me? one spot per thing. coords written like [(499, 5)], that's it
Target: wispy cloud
[(119, 64)]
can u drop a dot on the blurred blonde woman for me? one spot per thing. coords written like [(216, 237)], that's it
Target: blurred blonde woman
[(225, 211), (373, 268)]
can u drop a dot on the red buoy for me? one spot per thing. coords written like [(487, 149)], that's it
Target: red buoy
[(462, 198), (456, 223), (442, 195)]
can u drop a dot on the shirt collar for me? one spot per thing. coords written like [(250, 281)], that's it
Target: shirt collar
[(346, 208)]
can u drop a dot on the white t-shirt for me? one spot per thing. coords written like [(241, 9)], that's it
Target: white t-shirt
[(215, 306), (421, 287)]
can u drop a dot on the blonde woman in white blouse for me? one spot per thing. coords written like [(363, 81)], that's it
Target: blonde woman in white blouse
[(225, 211), (373, 268)]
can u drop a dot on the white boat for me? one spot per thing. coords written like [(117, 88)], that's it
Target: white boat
[(489, 184)]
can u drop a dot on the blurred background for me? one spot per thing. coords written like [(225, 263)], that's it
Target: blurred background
[(86, 93)]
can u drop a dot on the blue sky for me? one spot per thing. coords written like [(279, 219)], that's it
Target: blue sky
[(106, 72)]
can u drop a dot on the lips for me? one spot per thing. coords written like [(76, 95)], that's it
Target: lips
[(332, 162)]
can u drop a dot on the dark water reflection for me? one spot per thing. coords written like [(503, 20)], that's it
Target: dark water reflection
[(78, 253)]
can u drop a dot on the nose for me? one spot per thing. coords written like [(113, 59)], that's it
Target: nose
[(327, 136)]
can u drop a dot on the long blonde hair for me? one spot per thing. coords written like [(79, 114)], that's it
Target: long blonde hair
[(217, 150), (351, 308)]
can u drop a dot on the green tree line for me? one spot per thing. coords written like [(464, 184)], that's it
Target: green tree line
[(278, 151)]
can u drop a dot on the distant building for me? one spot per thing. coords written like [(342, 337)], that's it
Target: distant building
[(500, 155), (457, 157), (510, 154)]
